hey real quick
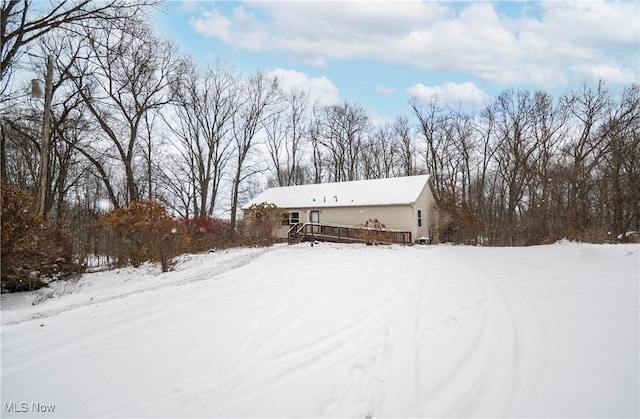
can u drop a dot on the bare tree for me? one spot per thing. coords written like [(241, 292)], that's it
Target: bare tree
[(69, 126), (549, 130), (484, 183), (316, 147), (380, 153), (67, 168), (176, 178), (431, 121), (128, 75), (285, 130), (621, 162), (462, 130), (20, 130), (515, 154), (206, 102), (587, 108), (256, 104), (151, 144), (25, 21), (341, 131), (407, 148)]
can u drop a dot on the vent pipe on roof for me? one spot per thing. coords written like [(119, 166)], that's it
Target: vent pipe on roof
[(335, 197)]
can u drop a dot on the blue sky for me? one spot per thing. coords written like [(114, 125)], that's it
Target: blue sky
[(381, 53)]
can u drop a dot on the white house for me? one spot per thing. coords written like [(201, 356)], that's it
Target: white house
[(402, 203)]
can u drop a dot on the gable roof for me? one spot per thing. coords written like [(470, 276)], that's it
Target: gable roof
[(389, 191)]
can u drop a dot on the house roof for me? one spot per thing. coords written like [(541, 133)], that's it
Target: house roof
[(390, 191)]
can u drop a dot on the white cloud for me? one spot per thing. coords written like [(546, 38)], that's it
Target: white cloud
[(315, 61), (385, 90), (191, 5), (596, 23), (612, 74), (525, 73), (320, 89), (213, 25), (546, 48), (450, 93)]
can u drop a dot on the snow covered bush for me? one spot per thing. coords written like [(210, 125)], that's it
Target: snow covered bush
[(34, 251), (144, 232)]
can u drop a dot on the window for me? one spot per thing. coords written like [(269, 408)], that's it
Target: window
[(419, 218), (294, 217)]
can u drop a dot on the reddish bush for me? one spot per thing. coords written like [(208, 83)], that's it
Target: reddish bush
[(206, 233)]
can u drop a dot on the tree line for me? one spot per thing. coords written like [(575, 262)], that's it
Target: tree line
[(133, 118)]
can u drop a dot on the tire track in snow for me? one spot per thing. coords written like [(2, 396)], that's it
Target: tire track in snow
[(392, 353), (374, 360), (484, 359), (255, 348), (360, 348), (260, 354), (440, 380), (512, 358), (443, 395), (490, 370), (418, 335), (512, 371), (367, 382)]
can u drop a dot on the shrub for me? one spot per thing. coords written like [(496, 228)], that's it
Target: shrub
[(373, 232), (261, 223), (456, 223), (144, 232), (34, 251), (206, 233)]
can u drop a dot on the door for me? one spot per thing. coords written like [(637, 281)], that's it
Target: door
[(314, 217)]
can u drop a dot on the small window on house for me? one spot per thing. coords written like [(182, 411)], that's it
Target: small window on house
[(294, 217), (285, 218), (419, 218)]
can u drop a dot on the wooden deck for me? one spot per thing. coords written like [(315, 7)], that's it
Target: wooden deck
[(345, 234)]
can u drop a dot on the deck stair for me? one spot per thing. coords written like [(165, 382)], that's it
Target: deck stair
[(345, 234)]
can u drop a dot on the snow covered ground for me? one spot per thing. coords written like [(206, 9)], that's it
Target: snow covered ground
[(335, 331)]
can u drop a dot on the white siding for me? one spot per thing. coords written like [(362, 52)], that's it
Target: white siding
[(396, 217), (425, 202)]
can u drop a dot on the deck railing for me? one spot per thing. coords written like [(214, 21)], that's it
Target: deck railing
[(345, 234)]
